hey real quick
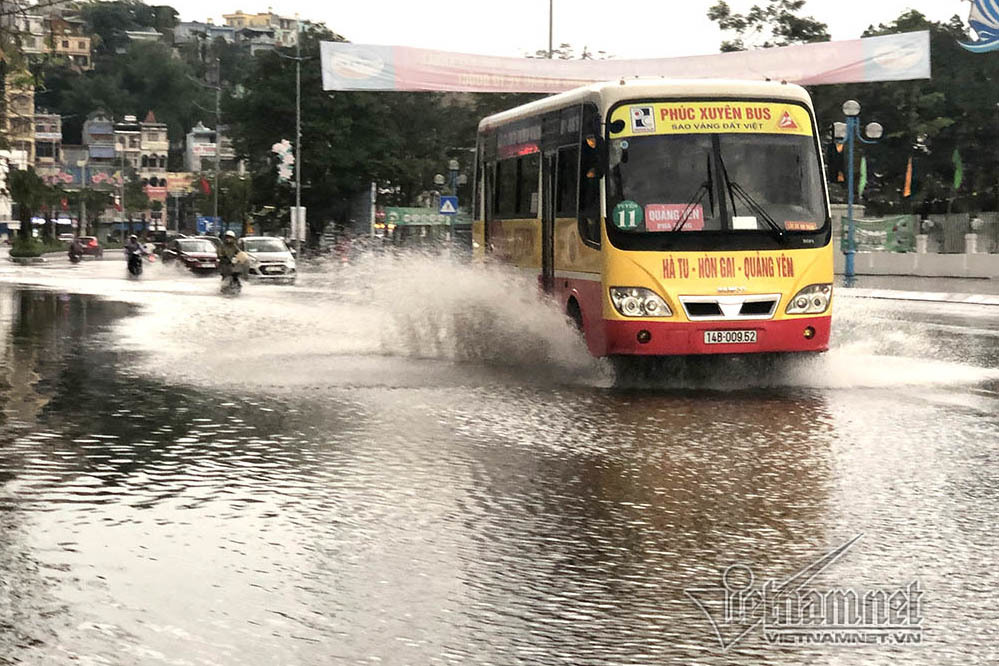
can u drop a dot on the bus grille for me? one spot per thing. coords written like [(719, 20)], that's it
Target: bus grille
[(729, 308)]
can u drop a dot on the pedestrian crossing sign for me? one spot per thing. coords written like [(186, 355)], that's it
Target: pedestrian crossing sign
[(449, 206)]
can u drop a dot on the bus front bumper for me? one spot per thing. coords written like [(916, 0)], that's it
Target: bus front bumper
[(806, 334)]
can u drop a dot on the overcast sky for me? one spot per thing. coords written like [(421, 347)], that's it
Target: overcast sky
[(648, 29)]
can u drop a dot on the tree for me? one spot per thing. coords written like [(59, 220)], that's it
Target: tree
[(566, 51), (135, 198), (927, 120), (146, 77), (235, 199), (775, 24), (31, 195), (108, 22), (95, 201)]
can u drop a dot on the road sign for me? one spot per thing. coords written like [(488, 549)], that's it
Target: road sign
[(449, 206), (208, 225), (402, 217)]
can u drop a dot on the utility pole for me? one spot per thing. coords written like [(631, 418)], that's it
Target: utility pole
[(218, 137), (298, 135), (81, 229), (121, 185), (298, 131), (551, 22)]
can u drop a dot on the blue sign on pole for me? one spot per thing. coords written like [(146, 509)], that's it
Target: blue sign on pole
[(208, 225), (449, 206)]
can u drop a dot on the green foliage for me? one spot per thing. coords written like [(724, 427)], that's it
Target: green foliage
[(928, 120), (235, 199), (108, 21), (31, 195), (145, 78), (775, 24), (26, 246), (135, 197), (566, 51)]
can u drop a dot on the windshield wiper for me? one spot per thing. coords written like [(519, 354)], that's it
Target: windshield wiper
[(751, 203), (694, 201), (707, 187)]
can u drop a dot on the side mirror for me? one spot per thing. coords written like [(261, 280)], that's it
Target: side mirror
[(591, 158)]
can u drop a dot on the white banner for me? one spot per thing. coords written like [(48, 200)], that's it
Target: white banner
[(348, 66)]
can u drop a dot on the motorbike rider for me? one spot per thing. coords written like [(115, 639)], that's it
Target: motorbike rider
[(75, 248), (227, 253), (133, 245)]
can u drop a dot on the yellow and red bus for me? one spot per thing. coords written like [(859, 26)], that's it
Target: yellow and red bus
[(666, 217)]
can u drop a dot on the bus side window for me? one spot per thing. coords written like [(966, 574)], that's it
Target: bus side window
[(527, 189), (506, 189), (589, 177), (567, 182)]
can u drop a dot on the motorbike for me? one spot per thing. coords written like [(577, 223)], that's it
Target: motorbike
[(232, 278), (75, 255), (135, 261)]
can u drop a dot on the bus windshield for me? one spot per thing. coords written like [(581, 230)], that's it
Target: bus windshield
[(689, 183)]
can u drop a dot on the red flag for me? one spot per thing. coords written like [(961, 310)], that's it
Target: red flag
[(205, 186), (907, 190), (65, 203)]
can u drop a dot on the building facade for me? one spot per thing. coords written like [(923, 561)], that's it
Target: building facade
[(48, 144), (19, 115), (264, 30), (68, 39), (128, 143), (188, 32)]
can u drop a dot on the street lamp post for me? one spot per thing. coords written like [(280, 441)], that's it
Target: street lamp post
[(452, 167), (81, 229), (847, 133), (218, 139), (439, 185), (298, 124), (298, 135)]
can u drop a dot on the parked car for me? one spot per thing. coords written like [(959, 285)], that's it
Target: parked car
[(91, 247), (66, 238), (270, 259), (198, 255), (214, 240)]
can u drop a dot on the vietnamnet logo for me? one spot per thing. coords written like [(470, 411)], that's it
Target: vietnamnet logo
[(984, 21)]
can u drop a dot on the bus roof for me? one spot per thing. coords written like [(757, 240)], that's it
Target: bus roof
[(611, 92)]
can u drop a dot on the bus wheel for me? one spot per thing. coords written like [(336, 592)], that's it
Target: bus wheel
[(575, 314)]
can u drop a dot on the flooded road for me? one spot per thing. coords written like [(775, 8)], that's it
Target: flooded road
[(410, 461)]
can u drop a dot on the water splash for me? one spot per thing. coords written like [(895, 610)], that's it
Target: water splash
[(410, 319)]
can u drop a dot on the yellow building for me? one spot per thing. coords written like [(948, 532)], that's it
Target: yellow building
[(19, 117), (284, 30)]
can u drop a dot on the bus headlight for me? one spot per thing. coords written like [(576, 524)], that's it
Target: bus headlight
[(813, 299), (639, 302)]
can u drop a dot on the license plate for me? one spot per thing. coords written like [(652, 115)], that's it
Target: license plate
[(729, 337), (208, 264)]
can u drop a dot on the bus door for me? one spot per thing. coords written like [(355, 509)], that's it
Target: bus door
[(548, 163)]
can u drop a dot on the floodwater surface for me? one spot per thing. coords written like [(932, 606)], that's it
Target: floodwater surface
[(413, 461)]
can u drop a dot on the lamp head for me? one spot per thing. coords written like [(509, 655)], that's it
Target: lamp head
[(839, 131), (851, 108), (875, 131)]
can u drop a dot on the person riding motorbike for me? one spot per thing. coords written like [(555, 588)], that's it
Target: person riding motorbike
[(228, 268), (75, 250), (134, 251)]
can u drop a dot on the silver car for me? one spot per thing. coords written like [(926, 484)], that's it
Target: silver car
[(270, 259)]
